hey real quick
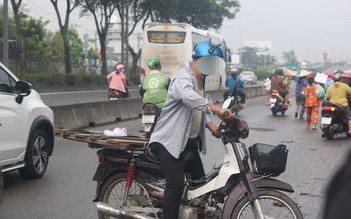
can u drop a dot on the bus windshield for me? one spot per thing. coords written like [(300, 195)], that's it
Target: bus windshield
[(166, 37)]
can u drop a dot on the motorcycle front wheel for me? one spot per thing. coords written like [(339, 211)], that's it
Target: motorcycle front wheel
[(274, 204), (114, 191)]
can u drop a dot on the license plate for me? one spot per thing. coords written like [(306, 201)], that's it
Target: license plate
[(148, 119), (273, 100), (326, 120)]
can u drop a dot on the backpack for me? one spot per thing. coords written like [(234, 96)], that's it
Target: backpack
[(320, 93)]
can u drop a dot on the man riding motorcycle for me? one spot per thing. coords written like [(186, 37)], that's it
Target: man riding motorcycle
[(180, 129), (155, 85), (230, 82), (279, 84), (338, 93)]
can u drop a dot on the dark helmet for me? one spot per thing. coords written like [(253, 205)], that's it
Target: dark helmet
[(154, 63), (338, 71), (206, 48), (337, 75), (279, 71)]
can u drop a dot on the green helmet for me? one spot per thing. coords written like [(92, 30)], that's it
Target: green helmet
[(154, 63)]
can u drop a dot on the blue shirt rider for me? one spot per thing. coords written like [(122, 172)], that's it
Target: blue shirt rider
[(231, 80)]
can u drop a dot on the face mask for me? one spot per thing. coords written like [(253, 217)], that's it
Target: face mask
[(210, 65)]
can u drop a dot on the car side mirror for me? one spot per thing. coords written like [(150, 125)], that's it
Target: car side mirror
[(24, 89)]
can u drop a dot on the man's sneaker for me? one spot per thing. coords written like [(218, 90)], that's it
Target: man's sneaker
[(295, 115)]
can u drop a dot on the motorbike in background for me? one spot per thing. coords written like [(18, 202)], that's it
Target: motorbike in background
[(150, 114), (114, 94), (237, 107), (333, 119), (235, 97), (276, 103)]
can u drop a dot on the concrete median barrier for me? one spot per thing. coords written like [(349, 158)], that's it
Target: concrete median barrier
[(98, 113)]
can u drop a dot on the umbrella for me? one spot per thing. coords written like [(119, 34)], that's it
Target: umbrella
[(304, 73), (289, 73)]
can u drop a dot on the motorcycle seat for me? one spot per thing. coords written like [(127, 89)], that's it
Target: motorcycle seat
[(329, 103)]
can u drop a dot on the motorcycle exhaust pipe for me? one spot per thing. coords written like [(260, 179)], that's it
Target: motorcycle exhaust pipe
[(118, 213)]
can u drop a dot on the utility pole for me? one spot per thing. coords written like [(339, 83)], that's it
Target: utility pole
[(5, 34), (124, 36), (122, 32), (127, 39)]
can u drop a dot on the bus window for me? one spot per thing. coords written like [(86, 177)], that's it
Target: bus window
[(166, 37)]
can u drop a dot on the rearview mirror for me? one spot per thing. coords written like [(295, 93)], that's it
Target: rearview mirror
[(227, 103), (23, 88)]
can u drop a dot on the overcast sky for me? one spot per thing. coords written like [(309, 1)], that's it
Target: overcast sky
[(309, 27)]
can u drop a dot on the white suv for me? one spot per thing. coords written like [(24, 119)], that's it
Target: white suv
[(26, 127)]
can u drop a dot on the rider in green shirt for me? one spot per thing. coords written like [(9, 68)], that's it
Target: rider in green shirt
[(155, 85)]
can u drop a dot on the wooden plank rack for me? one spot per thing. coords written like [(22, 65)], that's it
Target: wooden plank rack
[(97, 139)]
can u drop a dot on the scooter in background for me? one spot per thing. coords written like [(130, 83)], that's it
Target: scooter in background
[(114, 94), (150, 114), (333, 120), (276, 103)]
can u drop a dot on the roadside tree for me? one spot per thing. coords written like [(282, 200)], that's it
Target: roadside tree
[(64, 29)]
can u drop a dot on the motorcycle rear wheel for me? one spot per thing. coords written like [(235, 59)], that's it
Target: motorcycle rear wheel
[(329, 132), (274, 204), (274, 113), (112, 192)]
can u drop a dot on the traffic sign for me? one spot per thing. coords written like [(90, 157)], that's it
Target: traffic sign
[(291, 67)]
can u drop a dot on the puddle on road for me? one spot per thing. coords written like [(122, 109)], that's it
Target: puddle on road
[(262, 129)]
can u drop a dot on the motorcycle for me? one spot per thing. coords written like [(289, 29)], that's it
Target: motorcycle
[(333, 119), (276, 103), (149, 117), (114, 94), (130, 183), (236, 105)]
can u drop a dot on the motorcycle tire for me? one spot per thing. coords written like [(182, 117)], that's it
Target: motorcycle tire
[(274, 113), (274, 204), (329, 132), (113, 190)]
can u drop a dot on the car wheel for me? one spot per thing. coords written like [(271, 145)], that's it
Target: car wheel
[(37, 157)]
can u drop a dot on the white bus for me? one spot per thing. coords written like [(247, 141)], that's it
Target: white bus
[(173, 45)]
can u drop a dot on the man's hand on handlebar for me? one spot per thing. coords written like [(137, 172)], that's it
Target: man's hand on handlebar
[(226, 114), (223, 114)]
